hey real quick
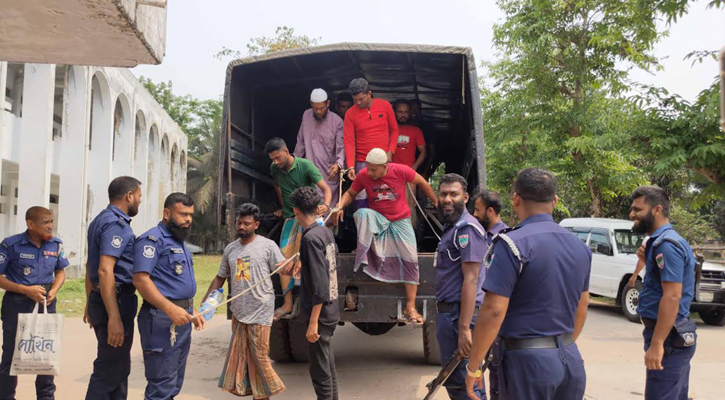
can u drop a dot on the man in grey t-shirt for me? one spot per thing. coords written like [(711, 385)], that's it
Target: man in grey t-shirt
[(245, 262)]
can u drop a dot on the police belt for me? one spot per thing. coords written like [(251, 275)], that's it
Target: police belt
[(444, 307), (543, 342), (649, 323), (183, 303), (124, 289), (47, 288)]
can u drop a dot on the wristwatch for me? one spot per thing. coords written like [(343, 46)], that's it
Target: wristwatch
[(474, 375)]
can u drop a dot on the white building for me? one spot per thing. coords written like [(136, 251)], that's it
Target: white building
[(66, 132)]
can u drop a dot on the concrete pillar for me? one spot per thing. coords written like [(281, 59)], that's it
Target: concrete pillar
[(74, 158), (3, 86), (35, 148)]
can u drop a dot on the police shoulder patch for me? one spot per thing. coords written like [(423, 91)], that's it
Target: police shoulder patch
[(3, 257), (660, 260), (116, 242), (463, 241), (149, 251)]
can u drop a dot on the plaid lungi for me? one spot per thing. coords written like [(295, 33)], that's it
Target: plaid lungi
[(248, 369), (387, 250)]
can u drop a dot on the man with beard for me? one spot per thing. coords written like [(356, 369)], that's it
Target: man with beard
[(163, 273), (32, 267), (289, 173), (320, 141), (487, 212), (459, 274), (429, 134), (246, 262), (410, 139), (386, 245), (111, 297), (537, 293), (664, 302)]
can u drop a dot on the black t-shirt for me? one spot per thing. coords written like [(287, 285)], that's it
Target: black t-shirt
[(318, 285)]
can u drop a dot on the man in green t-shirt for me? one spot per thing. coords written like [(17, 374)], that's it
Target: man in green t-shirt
[(289, 173)]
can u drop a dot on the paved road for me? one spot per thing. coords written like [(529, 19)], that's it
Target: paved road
[(391, 366)]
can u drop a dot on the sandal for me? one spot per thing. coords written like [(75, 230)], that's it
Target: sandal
[(413, 317)]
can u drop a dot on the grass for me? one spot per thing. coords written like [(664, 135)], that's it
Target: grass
[(72, 296)]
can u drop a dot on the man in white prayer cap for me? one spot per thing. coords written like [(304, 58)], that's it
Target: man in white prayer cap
[(320, 141), (386, 245)]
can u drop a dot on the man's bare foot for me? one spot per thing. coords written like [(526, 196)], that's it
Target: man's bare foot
[(282, 311)]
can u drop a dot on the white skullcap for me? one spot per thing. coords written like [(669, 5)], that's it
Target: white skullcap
[(377, 156), (318, 96)]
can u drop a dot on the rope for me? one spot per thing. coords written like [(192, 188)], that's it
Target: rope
[(423, 212), (245, 291)]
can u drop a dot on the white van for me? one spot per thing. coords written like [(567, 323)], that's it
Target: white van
[(614, 258)]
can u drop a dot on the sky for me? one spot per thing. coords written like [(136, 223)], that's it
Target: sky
[(198, 29)]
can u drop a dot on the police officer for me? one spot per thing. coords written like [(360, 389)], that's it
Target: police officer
[(459, 274), (31, 270), (112, 302), (163, 272), (664, 302), (538, 280), (488, 212)]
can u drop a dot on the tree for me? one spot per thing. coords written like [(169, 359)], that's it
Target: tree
[(201, 122), (284, 39)]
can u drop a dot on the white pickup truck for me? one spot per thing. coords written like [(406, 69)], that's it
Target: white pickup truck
[(614, 245)]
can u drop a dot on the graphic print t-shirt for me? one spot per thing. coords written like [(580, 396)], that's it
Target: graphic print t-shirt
[(245, 265), (387, 194)]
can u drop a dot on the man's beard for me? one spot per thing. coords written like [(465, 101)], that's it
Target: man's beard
[(453, 216), (484, 222), (133, 210), (244, 235), (322, 117), (644, 225), (177, 231), (47, 237)]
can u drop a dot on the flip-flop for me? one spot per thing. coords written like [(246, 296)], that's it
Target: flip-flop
[(411, 317)]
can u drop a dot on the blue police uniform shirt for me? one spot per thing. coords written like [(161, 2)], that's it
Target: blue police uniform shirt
[(464, 241), (495, 230), (23, 263), (668, 258), (545, 287), (110, 234), (167, 261)]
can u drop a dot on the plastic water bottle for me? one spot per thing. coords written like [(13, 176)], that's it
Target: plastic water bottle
[(319, 221), (214, 299)]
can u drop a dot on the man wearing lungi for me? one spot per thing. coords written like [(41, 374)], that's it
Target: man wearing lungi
[(386, 245), (248, 370), (289, 173)]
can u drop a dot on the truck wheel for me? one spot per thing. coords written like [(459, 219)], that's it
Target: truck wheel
[(431, 353), (279, 346), (374, 328), (713, 317), (630, 300), (298, 341)]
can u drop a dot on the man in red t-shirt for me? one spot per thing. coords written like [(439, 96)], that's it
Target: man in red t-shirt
[(369, 124), (386, 245), (410, 138)]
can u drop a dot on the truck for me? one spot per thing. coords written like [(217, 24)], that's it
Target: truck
[(265, 96), (614, 247)]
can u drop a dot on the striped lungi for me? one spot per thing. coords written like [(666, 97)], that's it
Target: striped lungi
[(289, 243), (386, 250), (248, 369)]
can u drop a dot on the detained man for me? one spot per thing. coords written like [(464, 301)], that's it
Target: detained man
[(247, 261), (410, 140), (386, 245), (320, 141)]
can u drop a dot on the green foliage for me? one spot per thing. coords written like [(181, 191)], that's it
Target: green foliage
[(284, 39), (691, 225)]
